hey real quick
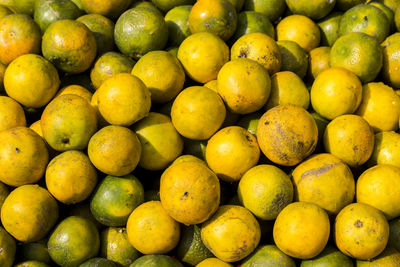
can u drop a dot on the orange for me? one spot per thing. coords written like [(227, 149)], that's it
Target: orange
[(251, 21), (318, 61), (359, 53), (391, 61), (4, 11), (31, 80), (325, 180), (329, 27), (69, 45), (2, 71), (156, 261), (75, 89), (189, 192), (123, 99), (244, 85), (166, 5), (231, 152), (301, 230), (350, 138), (336, 91), (68, 122), (21, 146), (380, 107), (178, 25), (8, 248), (329, 256), (390, 257), (161, 143), (109, 64), (111, 9), (102, 29), (114, 150), (366, 19), (299, 29), (347, 4), (268, 255), (71, 177), (272, 9), (361, 231), (162, 74), (23, 6), (394, 240), (11, 113), (287, 134), (265, 190), (198, 112), (213, 262), (29, 212), (388, 12), (150, 32), (397, 18), (259, 47), (202, 55), (294, 58), (19, 35), (378, 186), (386, 149), (315, 9), (215, 16), (151, 230), (250, 122)]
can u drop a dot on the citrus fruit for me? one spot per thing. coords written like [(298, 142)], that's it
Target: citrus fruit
[(145, 3), (361, 231), (397, 18), (68, 122), (123, 99), (391, 62), (82, 209), (3, 193), (2, 71), (231, 152), (156, 261), (202, 55), (301, 230), (111, 9), (191, 249), (347, 4), (196, 148), (75, 90), (329, 27), (102, 29), (34, 251), (23, 6), (166, 5), (268, 256), (151, 230), (259, 47), (350, 138), (31, 264), (287, 134), (232, 233), (115, 198), (178, 26), (71, 177), (74, 240), (213, 262), (250, 122), (377, 186), (189, 192), (98, 262), (318, 61), (47, 12), (380, 107), (114, 150), (251, 21), (390, 257), (150, 31), (21, 146), (272, 9), (299, 29), (115, 246), (5, 11), (335, 92), (324, 180), (215, 16), (19, 35), (29, 212), (162, 74), (294, 58), (197, 112), (109, 64), (387, 11), (69, 45), (11, 113), (330, 256), (265, 190), (31, 80), (8, 248), (161, 143), (315, 10), (185, 158), (359, 53), (394, 227), (244, 85), (366, 19), (386, 149), (288, 88)]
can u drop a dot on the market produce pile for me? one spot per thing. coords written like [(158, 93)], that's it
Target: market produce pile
[(209, 133)]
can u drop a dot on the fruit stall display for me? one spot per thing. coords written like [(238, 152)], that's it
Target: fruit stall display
[(209, 133)]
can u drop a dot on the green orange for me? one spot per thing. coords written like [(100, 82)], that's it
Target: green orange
[(329, 27), (178, 25), (315, 9), (252, 21), (272, 9)]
